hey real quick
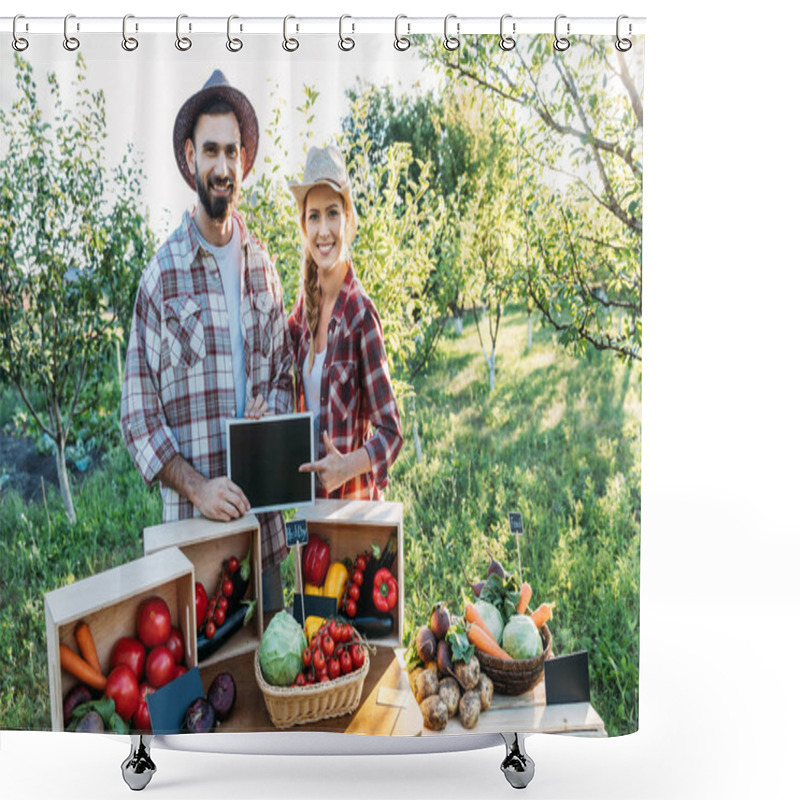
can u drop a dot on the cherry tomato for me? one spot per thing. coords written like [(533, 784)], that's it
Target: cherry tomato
[(130, 651), (327, 645), (223, 603), (358, 577), (345, 662), (300, 680), (176, 645), (160, 667), (361, 564), (334, 668), (310, 677), (324, 679), (219, 617), (314, 639), (357, 654), (318, 661), (227, 587), (335, 631), (200, 602), (233, 564), (350, 607), (122, 687), (347, 632), (307, 657), (354, 592), (211, 629)]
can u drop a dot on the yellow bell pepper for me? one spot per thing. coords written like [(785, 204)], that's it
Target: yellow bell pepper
[(313, 624), (309, 588), (335, 581)]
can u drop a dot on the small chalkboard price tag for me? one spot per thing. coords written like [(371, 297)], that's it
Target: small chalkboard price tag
[(515, 523), (296, 532)]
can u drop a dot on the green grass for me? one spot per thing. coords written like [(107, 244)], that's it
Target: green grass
[(558, 440)]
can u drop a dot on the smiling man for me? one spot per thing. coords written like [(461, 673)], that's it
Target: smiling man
[(209, 338)]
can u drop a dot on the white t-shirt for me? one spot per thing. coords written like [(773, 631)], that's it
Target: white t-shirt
[(312, 382), (229, 262)]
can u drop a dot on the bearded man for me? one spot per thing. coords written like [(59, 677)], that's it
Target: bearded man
[(209, 338)]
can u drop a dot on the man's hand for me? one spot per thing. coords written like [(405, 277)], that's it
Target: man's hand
[(221, 499), (256, 407)]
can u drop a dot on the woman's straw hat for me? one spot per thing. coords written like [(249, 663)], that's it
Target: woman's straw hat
[(326, 166)]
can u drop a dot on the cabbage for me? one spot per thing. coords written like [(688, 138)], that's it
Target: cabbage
[(492, 617), (281, 652), (521, 638)]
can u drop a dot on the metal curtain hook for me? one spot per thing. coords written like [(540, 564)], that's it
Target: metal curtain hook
[(70, 42), (183, 43), (233, 44), (401, 42), (129, 43), (623, 45), (289, 44), (559, 42), (345, 42), (507, 42), (451, 42), (19, 43)]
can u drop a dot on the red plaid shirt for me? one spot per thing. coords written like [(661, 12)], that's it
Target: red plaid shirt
[(357, 404), (179, 383)]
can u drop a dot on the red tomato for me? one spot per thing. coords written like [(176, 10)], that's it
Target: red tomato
[(300, 680), (175, 645), (141, 717), (200, 602), (179, 670), (233, 564), (310, 677), (327, 645), (219, 616), (227, 587), (153, 622), (345, 662), (223, 603), (354, 592), (160, 666), (336, 632), (358, 577), (307, 657), (350, 607), (334, 668), (357, 654), (318, 660), (361, 564), (123, 688), (131, 652), (211, 629)]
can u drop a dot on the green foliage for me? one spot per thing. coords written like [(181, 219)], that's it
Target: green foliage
[(73, 242)]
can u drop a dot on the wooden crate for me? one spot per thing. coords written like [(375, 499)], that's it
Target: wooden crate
[(108, 602), (207, 544), (352, 526)]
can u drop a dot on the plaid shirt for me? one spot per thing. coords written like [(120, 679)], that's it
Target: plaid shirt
[(179, 383), (357, 404)]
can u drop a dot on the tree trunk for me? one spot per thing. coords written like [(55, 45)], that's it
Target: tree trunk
[(120, 376), (530, 332), (63, 480), (417, 443), (460, 325), (492, 363)]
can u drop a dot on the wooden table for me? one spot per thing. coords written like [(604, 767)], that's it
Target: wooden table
[(388, 708)]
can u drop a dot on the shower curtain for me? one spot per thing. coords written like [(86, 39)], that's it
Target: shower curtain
[(475, 202)]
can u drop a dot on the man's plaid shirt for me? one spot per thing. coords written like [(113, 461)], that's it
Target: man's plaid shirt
[(357, 403), (179, 383)]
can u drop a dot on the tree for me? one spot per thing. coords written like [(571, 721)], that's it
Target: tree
[(576, 118), (73, 242)]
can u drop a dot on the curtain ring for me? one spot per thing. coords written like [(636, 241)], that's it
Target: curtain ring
[(560, 43), (507, 42), (183, 43), (19, 43), (70, 42), (129, 43), (289, 44), (233, 44), (623, 45), (401, 43), (345, 42), (451, 42)]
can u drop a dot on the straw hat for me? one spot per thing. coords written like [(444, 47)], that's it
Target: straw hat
[(215, 88), (326, 166)]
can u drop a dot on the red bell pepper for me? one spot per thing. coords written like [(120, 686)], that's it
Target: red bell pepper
[(316, 560), (384, 591)]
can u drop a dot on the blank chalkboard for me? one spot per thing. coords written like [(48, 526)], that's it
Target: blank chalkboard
[(264, 456)]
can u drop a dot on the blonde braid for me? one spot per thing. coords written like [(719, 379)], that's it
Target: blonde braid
[(311, 294)]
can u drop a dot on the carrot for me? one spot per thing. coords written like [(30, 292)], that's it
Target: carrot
[(472, 615), (525, 594), (80, 669), (485, 643), (542, 614), (86, 645)]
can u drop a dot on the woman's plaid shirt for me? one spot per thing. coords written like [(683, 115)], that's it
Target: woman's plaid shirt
[(179, 384)]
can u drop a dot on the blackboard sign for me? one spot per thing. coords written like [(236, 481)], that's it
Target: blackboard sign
[(515, 522), (296, 532), (264, 457)]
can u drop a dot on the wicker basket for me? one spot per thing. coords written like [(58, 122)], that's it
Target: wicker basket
[(520, 675), (298, 705)]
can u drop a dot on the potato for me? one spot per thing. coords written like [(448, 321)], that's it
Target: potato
[(485, 691), (434, 713), (427, 684), (468, 674), (413, 678), (450, 694), (469, 709)]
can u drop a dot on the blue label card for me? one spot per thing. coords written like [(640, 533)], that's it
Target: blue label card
[(168, 705), (515, 522), (296, 532), (566, 679)]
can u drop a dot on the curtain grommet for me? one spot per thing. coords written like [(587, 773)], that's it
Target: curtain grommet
[(289, 44), (129, 43), (560, 43), (507, 42), (71, 43), (183, 43), (19, 43), (346, 43), (401, 43), (451, 43), (233, 44), (622, 44)]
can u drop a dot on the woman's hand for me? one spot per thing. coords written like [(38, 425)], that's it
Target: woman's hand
[(337, 468), (256, 407)]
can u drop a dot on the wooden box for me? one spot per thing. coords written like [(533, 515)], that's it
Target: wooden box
[(108, 602), (352, 526), (207, 544)]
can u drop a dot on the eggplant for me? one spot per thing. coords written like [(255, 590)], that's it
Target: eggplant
[(240, 580), (234, 621), (373, 625), (222, 695), (199, 717)]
